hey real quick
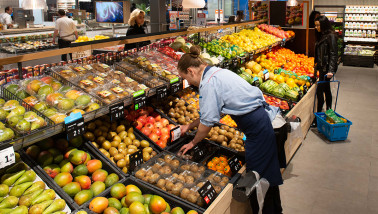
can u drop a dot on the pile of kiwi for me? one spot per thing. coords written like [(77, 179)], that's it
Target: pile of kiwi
[(179, 111), (180, 178), (117, 141), (228, 137)]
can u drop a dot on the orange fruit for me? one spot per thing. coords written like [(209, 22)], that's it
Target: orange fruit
[(215, 160), (210, 164), (227, 169), (223, 163), (223, 158), (99, 204), (219, 167)]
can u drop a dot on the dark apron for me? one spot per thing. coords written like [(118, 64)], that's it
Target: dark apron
[(260, 145)]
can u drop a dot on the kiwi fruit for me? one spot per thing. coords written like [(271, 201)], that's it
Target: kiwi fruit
[(140, 173), (184, 193), (153, 178), (160, 183)]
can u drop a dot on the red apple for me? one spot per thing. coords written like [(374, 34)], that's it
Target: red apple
[(164, 131), (142, 119), (146, 131), (138, 125), (150, 119), (156, 131), (165, 122), (158, 125), (154, 137), (161, 144)]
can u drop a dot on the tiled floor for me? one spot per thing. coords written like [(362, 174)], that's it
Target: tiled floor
[(340, 177)]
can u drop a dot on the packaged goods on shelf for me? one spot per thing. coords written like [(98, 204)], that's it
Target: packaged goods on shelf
[(52, 97)]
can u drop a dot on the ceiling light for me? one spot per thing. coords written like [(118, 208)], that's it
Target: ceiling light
[(292, 3), (33, 4), (193, 3)]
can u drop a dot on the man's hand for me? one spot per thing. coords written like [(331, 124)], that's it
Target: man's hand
[(329, 75), (184, 129), (187, 147)]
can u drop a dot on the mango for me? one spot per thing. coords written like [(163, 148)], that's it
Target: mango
[(98, 187), (63, 179), (77, 157), (99, 175), (83, 196), (84, 181), (72, 188)]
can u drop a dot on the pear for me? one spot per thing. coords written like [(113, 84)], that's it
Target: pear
[(18, 190), (47, 194), (39, 208), (19, 110), (5, 211), (9, 202), (30, 116), (10, 179), (59, 212), (7, 134), (57, 205), (12, 121), (27, 199), (36, 186), (26, 177), (2, 126), (3, 114), (1, 199), (20, 210), (23, 125)]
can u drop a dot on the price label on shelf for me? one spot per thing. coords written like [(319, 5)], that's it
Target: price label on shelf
[(136, 159), (283, 42), (175, 133), (208, 193), (270, 49), (266, 74), (74, 125), (117, 111), (198, 152), (175, 87), (7, 156), (161, 92), (139, 99), (234, 164)]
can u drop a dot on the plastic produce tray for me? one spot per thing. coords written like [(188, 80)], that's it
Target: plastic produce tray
[(94, 155), (137, 136), (7, 95), (334, 132), (203, 178)]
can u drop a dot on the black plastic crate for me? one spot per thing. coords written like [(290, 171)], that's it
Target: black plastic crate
[(147, 189), (206, 146), (46, 180), (147, 138), (91, 147), (105, 165), (360, 61)]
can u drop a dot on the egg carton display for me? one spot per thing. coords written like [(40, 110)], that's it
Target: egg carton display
[(74, 168), (117, 141), (180, 178), (53, 96), (25, 190)]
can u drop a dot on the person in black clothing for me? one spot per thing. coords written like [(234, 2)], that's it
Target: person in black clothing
[(314, 14), (136, 23), (133, 7), (326, 57)]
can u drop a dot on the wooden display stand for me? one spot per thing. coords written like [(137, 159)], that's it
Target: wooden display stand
[(224, 204)]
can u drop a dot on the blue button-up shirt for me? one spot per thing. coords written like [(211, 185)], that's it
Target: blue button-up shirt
[(223, 91)]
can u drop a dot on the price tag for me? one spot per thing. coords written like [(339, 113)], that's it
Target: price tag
[(74, 125), (283, 42), (161, 92), (270, 49), (266, 74), (185, 84), (234, 164), (136, 159), (7, 156), (139, 99), (175, 133), (198, 152), (117, 111), (208, 193), (175, 87)]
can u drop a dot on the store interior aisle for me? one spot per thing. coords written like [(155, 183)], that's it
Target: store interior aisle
[(339, 177)]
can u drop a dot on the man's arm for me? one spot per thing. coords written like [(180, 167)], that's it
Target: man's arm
[(8, 21), (185, 128), (201, 134), (55, 35), (76, 34)]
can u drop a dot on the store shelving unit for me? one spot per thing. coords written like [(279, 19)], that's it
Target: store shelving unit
[(361, 24)]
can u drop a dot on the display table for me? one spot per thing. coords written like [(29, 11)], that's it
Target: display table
[(304, 110)]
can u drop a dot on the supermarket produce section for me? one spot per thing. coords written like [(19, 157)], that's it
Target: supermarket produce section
[(97, 134)]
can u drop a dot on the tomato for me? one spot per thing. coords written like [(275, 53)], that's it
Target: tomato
[(157, 131), (161, 144), (146, 131), (154, 137), (158, 125), (164, 131), (165, 122)]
